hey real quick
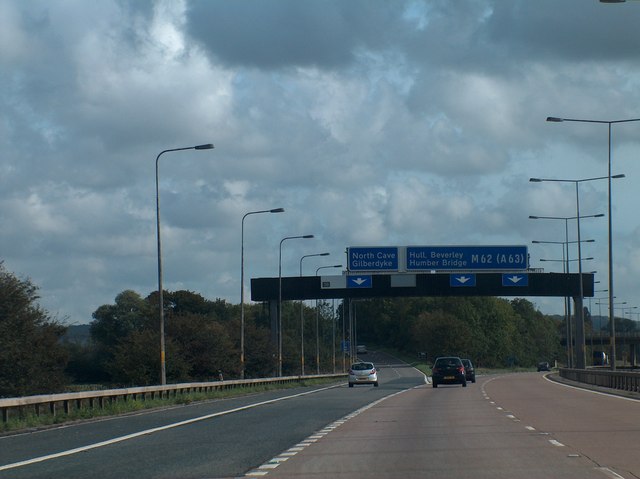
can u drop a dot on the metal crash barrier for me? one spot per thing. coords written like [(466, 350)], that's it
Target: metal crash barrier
[(619, 380), (67, 402)]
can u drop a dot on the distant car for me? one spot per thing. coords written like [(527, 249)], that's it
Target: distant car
[(361, 349), (363, 373), (543, 366), (469, 370), (448, 370)]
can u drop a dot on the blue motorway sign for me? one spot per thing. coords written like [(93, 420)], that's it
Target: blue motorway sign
[(462, 280), (384, 258), (362, 281), (448, 258)]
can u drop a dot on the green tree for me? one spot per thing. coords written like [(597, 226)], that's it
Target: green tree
[(112, 324), (32, 360)]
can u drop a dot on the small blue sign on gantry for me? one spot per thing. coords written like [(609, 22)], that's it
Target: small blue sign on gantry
[(362, 281), (462, 280), (515, 279)]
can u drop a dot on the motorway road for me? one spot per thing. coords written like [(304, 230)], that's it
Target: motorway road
[(511, 426), (215, 439)]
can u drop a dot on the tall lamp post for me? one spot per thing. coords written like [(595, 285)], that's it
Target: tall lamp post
[(580, 314), (274, 210), (567, 304), (579, 322), (280, 298), (163, 371), (333, 322), (612, 327), (302, 314)]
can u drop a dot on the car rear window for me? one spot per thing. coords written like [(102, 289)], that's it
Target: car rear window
[(362, 366), (447, 362)]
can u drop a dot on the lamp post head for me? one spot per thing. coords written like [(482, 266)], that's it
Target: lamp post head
[(307, 236), (599, 215), (277, 210), (534, 217), (535, 180), (208, 146), (555, 119), (619, 176)]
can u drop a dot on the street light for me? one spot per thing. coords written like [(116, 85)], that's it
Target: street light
[(333, 322), (280, 298), (274, 210), (302, 314), (560, 260), (163, 373), (580, 316), (555, 119), (567, 304), (579, 324)]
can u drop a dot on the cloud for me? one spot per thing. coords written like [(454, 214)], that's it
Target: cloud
[(370, 122)]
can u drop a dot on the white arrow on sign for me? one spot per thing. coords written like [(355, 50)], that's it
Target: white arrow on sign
[(463, 279), (515, 279), (360, 281)]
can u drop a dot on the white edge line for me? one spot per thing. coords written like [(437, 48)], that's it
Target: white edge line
[(578, 388), (127, 437)]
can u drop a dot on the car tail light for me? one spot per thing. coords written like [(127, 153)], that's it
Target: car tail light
[(461, 369), (434, 370)]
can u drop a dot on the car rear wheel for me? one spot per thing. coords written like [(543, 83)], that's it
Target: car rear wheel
[(435, 384), (350, 385)]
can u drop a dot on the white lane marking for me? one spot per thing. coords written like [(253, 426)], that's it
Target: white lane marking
[(556, 443), (146, 432), (530, 428), (331, 426), (608, 472)]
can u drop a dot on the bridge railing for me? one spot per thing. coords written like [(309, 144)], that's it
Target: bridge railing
[(67, 402), (620, 380)]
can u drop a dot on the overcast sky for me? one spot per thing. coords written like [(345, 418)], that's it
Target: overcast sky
[(371, 122)]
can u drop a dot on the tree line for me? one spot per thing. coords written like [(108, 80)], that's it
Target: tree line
[(203, 337)]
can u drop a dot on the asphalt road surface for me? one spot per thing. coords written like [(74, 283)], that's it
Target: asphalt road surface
[(215, 439), (511, 426)]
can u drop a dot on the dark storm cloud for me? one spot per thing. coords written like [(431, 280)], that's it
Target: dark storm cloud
[(577, 30), (268, 34)]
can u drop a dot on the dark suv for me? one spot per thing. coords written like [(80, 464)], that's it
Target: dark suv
[(469, 370), (448, 370)]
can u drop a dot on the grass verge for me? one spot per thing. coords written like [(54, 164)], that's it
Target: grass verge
[(24, 420)]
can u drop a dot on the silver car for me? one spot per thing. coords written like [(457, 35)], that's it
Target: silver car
[(363, 373)]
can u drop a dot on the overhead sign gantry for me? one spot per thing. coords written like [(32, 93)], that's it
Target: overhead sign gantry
[(410, 271)]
